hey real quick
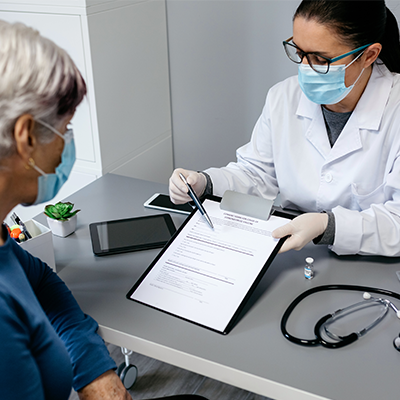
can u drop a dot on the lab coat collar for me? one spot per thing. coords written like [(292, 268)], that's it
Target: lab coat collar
[(372, 103), (367, 115)]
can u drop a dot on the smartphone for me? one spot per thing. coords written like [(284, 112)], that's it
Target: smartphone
[(161, 201)]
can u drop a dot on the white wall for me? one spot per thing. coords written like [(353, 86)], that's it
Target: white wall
[(224, 56)]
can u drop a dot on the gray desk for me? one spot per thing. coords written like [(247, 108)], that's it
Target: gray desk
[(254, 356)]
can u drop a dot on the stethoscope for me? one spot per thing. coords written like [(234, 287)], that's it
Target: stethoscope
[(324, 335)]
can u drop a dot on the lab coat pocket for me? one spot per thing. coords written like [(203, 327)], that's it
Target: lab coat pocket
[(364, 201)]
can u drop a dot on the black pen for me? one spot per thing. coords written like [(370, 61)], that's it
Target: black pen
[(196, 200)]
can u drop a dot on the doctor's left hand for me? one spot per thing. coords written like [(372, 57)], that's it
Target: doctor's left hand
[(301, 230)]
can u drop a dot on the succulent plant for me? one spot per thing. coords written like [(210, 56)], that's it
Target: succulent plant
[(60, 211)]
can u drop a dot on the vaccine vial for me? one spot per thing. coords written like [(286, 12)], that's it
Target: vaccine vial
[(309, 268)]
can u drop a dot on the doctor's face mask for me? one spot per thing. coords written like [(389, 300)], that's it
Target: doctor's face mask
[(329, 88)]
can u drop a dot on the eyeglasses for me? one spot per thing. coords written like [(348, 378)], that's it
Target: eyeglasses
[(317, 62)]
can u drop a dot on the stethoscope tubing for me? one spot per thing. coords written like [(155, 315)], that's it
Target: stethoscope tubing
[(318, 340)]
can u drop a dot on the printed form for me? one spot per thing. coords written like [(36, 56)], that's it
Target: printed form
[(205, 273)]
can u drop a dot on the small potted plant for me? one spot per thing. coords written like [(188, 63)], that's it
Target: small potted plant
[(61, 219)]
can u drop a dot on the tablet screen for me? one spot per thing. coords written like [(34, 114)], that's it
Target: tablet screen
[(131, 234)]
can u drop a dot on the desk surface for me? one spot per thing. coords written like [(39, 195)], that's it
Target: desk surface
[(254, 355)]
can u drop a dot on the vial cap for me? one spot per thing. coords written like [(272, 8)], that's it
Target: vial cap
[(309, 260)]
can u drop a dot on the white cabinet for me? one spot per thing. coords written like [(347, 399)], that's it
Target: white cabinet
[(120, 47)]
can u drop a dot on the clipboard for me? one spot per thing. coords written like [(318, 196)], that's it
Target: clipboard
[(190, 279)]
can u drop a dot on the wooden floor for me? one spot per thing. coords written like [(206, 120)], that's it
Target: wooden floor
[(157, 379)]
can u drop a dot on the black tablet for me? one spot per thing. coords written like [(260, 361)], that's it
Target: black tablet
[(132, 234)]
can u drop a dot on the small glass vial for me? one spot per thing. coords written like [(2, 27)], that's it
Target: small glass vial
[(309, 268)]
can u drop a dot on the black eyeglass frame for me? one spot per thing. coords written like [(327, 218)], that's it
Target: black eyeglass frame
[(328, 60)]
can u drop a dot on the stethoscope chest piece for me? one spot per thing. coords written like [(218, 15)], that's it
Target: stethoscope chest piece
[(396, 343)]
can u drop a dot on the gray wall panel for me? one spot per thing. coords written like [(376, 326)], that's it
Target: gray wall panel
[(224, 56)]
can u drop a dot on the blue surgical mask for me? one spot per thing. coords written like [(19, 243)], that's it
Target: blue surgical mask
[(329, 88), (50, 184)]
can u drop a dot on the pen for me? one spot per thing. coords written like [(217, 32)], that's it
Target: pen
[(18, 221), (196, 200)]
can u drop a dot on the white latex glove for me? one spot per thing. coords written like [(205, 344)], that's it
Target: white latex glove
[(302, 230), (178, 190)]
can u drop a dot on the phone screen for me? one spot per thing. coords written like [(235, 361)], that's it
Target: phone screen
[(162, 201)]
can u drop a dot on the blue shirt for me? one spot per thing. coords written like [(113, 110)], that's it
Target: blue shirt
[(46, 342)]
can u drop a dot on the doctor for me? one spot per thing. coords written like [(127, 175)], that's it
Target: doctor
[(328, 139)]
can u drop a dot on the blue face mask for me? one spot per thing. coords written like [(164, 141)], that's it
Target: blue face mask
[(326, 88), (50, 184)]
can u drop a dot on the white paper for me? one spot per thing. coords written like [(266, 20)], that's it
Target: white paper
[(204, 274)]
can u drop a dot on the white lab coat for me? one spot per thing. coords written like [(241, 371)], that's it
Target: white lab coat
[(358, 178)]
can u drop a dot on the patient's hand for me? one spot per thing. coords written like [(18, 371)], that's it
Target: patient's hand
[(107, 386)]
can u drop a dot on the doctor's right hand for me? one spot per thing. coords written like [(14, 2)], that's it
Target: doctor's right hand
[(178, 190)]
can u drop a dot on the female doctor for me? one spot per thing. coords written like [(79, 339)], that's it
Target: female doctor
[(328, 139)]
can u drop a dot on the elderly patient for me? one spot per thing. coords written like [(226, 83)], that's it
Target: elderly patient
[(47, 343)]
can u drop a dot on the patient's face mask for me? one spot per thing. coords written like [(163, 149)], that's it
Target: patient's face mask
[(50, 184), (329, 88)]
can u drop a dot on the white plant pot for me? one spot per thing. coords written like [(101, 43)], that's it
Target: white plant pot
[(62, 228)]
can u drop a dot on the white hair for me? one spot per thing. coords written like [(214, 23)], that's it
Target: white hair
[(36, 77)]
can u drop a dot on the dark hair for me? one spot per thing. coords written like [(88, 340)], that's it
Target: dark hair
[(358, 23), (71, 92)]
